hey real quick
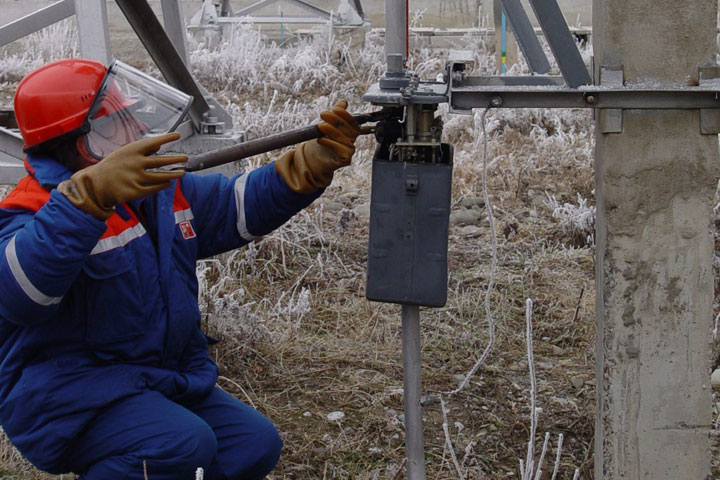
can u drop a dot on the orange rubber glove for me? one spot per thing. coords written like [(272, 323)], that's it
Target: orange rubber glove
[(122, 176), (311, 166)]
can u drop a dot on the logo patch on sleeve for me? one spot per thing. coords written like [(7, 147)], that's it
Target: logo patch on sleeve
[(187, 230)]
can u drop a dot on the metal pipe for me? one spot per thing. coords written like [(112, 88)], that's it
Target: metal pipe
[(271, 142), (410, 126), (395, 29), (412, 392), (233, 153)]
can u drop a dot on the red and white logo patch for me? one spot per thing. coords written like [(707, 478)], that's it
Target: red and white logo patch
[(187, 230)]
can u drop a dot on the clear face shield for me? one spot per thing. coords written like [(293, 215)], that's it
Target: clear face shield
[(130, 105)]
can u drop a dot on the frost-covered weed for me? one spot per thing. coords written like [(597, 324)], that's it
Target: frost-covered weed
[(244, 62), (297, 306), (59, 40), (577, 221), (223, 305)]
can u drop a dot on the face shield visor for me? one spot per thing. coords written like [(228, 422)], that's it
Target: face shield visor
[(130, 105)]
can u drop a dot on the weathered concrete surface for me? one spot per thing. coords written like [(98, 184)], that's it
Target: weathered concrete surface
[(654, 187)]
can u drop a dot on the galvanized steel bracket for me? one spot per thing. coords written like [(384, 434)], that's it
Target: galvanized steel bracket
[(709, 118), (611, 119)]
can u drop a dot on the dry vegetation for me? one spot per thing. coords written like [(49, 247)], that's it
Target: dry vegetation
[(298, 339)]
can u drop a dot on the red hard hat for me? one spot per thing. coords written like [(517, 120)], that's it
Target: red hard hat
[(54, 99)]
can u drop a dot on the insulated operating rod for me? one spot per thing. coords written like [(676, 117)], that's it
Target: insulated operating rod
[(412, 393), (247, 149)]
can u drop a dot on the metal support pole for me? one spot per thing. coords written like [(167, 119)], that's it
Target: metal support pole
[(412, 392), (92, 23), (396, 28), (175, 26)]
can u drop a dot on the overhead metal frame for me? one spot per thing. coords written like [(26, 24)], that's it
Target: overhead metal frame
[(166, 46), (319, 12), (272, 19), (481, 92), (561, 42), (212, 13), (556, 32), (93, 30), (161, 49), (37, 20), (175, 26)]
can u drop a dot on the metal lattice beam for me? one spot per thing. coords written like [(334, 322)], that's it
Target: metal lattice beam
[(93, 31), (12, 168), (175, 26), (526, 37), (299, 3), (148, 28), (35, 21), (561, 42)]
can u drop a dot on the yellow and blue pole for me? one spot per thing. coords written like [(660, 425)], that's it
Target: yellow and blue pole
[(503, 44)]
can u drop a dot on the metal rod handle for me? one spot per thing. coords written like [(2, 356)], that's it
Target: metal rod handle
[(250, 148), (247, 149)]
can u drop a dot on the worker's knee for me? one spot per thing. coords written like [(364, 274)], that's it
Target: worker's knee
[(258, 461), (192, 447), (166, 455)]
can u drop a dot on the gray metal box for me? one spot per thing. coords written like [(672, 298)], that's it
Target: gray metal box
[(409, 217)]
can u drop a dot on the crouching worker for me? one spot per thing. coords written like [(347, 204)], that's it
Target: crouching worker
[(104, 370)]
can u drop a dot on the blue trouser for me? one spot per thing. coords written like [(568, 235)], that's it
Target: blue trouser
[(221, 434)]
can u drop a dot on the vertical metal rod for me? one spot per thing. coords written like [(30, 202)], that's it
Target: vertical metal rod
[(407, 29), (174, 22), (395, 28), (412, 392), (410, 125), (92, 25)]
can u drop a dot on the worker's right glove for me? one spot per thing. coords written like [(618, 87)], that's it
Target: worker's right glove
[(311, 166), (122, 176)]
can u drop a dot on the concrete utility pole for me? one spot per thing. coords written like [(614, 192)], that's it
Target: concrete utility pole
[(654, 185)]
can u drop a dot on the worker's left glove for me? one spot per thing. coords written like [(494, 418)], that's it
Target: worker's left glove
[(124, 175), (311, 166)]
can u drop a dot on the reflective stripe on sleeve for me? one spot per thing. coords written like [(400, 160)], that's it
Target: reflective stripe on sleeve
[(183, 216), (240, 184), (25, 284)]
